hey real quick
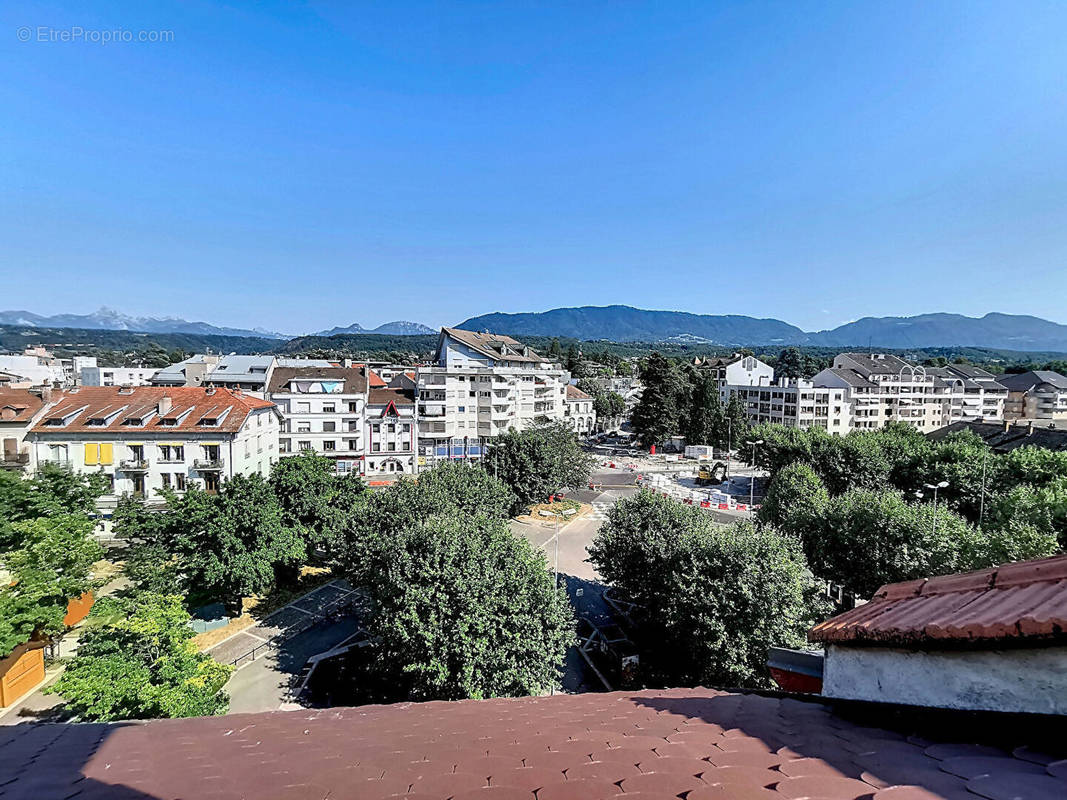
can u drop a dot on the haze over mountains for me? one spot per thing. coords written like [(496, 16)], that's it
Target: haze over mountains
[(624, 323), (627, 324)]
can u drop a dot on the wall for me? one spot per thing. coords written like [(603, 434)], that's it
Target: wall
[(1027, 679)]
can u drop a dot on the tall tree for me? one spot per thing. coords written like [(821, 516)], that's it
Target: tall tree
[(705, 415), (657, 415)]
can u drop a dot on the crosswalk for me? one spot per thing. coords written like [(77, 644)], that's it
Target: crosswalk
[(600, 510)]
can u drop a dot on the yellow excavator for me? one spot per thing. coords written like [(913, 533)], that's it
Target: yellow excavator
[(711, 476)]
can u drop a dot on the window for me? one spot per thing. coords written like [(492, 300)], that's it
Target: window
[(329, 408), (392, 447), (171, 452), (179, 481), (329, 427), (303, 445), (391, 428), (283, 445), (353, 407), (166, 480), (376, 427), (462, 409), (353, 444), (303, 407), (407, 427), (329, 444), (303, 427), (376, 447)]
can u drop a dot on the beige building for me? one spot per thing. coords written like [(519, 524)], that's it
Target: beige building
[(578, 411), (1036, 395), (19, 410)]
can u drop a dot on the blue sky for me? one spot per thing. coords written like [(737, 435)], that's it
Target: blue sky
[(302, 165)]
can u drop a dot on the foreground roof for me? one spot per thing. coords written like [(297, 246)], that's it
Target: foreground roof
[(135, 410), (1005, 438), (1021, 602), (698, 743)]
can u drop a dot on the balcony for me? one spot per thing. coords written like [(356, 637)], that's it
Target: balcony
[(14, 460), (432, 411), (208, 464), (134, 465)]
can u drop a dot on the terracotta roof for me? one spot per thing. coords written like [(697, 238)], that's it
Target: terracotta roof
[(574, 393), (115, 404), (699, 744), (385, 396), (1026, 600), (375, 379), (19, 405), (355, 378)]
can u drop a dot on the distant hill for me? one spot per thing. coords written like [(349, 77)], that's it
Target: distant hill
[(1000, 331), (627, 324), (107, 319), (398, 328)]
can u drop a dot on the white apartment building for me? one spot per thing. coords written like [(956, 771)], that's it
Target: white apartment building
[(578, 411), (117, 376), (1039, 395), (481, 385), (146, 438), (795, 403), (975, 393), (736, 370), (323, 410), (391, 432), (884, 388)]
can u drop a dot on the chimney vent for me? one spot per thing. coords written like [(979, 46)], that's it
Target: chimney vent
[(164, 406)]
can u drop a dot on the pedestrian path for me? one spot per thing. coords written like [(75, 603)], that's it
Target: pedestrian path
[(600, 510)]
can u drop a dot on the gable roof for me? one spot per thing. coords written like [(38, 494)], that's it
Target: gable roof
[(189, 405), (574, 393), (492, 345), (1026, 600), (702, 744), (22, 402)]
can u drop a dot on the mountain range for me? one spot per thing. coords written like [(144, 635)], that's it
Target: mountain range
[(108, 319), (627, 324), (398, 328)]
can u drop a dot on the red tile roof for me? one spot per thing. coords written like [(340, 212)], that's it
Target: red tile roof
[(1025, 600), (574, 393), (375, 379), (189, 405), (698, 743), (18, 405)]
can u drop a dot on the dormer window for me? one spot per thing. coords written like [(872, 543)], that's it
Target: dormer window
[(133, 422)]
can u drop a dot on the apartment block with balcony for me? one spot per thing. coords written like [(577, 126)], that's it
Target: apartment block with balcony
[(1037, 395), (146, 438), (795, 404), (323, 410), (975, 393), (480, 386)]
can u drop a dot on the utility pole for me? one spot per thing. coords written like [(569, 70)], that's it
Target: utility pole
[(752, 477), (981, 504)]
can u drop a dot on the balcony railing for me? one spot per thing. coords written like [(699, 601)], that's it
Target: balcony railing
[(10, 460), (208, 464), (133, 465)]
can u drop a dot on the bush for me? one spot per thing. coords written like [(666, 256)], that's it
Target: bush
[(713, 598), (136, 661)]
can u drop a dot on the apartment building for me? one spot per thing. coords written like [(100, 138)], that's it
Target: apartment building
[(795, 403), (19, 410), (480, 386), (323, 410), (975, 393), (736, 370), (884, 388), (391, 431), (578, 411), (116, 376), (146, 438), (1038, 395)]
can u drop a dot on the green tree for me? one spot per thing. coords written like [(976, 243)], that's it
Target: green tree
[(705, 416), (790, 364), (52, 490), (657, 415), (136, 661), (795, 501), (711, 598), (537, 462), (307, 487), (51, 565), (463, 608), (555, 352)]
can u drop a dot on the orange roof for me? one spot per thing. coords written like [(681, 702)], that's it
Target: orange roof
[(135, 410), (375, 379), (574, 393), (18, 405), (1024, 600)]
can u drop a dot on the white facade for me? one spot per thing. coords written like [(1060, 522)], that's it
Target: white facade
[(323, 411), (975, 393), (391, 434), (116, 376), (795, 404), (578, 411), (144, 443), (481, 386)]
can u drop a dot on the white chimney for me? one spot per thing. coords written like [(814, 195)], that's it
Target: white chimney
[(164, 406)]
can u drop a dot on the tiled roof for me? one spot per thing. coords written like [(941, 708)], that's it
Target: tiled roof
[(18, 405), (384, 396), (699, 744), (376, 380), (1026, 381), (1005, 439), (355, 378), (495, 345), (1026, 600), (574, 393), (189, 405)]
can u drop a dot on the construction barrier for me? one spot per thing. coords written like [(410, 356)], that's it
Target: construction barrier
[(20, 672)]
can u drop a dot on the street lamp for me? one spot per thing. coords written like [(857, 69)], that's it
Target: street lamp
[(752, 477), (935, 487)]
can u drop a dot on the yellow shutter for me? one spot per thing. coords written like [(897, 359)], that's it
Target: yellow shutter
[(92, 454), (106, 454)]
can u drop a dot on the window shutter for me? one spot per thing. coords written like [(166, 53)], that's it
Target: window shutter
[(106, 454), (92, 454)]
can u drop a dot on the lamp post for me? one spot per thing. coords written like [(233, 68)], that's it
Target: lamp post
[(935, 487), (752, 477), (729, 444)]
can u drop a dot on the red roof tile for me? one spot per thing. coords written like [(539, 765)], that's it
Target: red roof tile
[(537, 748), (1024, 600), (18, 405)]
